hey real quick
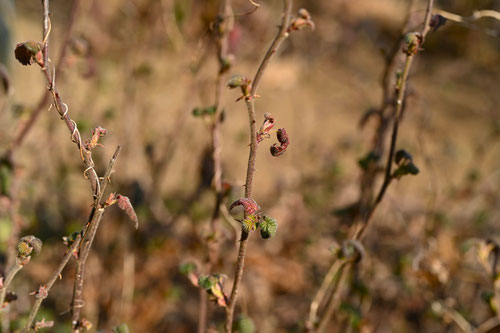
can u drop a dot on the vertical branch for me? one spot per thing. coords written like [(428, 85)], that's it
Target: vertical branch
[(250, 102), (401, 90), (366, 212), (225, 18), (87, 240), (46, 32)]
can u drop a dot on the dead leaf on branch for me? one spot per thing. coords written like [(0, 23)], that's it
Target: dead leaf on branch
[(125, 205)]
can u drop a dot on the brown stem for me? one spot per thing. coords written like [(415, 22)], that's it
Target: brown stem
[(319, 298), (221, 41), (8, 279), (335, 299), (87, 240), (25, 127), (366, 216), (401, 90), (250, 102), (50, 283), (202, 317), (369, 175)]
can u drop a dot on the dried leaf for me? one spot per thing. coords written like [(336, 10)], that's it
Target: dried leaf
[(97, 133), (28, 52), (125, 205)]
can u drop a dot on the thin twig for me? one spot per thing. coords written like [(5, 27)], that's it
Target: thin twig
[(222, 43), (8, 279), (25, 127), (52, 280), (367, 182), (250, 102), (320, 294), (488, 325), (335, 299), (401, 89)]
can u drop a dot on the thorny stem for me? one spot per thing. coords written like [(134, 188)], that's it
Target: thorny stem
[(87, 240), (52, 280), (250, 102)]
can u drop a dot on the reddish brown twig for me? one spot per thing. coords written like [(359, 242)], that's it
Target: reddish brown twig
[(240, 264)]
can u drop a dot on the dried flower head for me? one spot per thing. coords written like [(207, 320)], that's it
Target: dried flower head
[(28, 52), (303, 20), (266, 127), (283, 140)]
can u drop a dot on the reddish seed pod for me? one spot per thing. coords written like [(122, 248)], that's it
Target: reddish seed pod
[(276, 150), (283, 137), (283, 140)]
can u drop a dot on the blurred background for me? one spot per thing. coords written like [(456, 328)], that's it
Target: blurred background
[(139, 67)]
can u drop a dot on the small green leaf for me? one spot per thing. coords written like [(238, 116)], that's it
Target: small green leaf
[(250, 223), (122, 328), (238, 81), (197, 112), (365, 162), (210, 110), (207, 281), (243, 324), (402, 156), (5, 178), (187, 268), (268, 227)]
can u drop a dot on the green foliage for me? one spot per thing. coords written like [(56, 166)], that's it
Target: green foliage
[(188, 267), (268, 227), (238, 81), (405, 165), (206, 111), (122, 328), (353, 313), (5, 178), (207, 281), (370, 158), (243, 324), (250, 223)]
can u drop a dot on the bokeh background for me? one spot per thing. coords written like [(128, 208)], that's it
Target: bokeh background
[(139, 67)]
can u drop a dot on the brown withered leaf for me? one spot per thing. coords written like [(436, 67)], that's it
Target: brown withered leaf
[(125, 205)]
